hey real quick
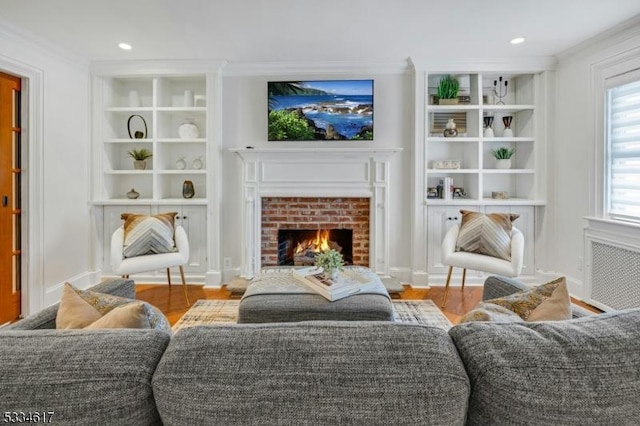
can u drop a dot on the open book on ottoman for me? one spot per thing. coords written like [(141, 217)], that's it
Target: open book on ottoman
[(346, 282)]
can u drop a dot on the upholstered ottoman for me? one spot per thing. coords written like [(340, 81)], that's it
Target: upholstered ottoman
[(277, 296)]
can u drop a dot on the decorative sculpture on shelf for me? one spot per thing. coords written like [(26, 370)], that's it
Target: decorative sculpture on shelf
[(506, 120), (488, 122), (500, 90)]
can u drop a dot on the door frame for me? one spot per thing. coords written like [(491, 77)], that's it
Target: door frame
[(32, 182)]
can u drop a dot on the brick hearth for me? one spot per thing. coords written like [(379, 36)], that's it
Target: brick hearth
[(314, 213)]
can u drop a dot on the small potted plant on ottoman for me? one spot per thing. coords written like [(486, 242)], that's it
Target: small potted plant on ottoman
[(331, 261)]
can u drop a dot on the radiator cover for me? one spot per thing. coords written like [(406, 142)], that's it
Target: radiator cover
[(615, 276)]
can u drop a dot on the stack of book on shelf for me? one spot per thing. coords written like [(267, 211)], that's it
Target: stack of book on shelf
[(346, 282)]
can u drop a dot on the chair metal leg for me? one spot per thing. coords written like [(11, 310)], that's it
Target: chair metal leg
[(464, 277), (446, 287), (169, 277), (184, 286)]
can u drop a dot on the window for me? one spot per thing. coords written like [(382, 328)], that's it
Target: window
[(622, 132)]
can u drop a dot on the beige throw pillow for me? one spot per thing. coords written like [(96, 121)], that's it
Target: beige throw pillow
[(556, 308), (74, 311), (132, 315), (490, 312), (89, 303), (488, 234), (546, 302)]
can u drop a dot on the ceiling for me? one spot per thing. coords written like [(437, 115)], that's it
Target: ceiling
[(325, 30)]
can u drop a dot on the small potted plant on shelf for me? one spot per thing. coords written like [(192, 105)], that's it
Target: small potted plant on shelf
[(331, 261), (139, 158), (503, 157), (448, 90)]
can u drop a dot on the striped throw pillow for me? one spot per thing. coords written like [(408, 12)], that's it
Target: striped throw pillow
[(148, 234), (488, 234)]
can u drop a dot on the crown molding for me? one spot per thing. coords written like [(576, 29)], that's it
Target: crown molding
[(42, 45), (618, 34), (316, 68), (529, 64), (156, 66)]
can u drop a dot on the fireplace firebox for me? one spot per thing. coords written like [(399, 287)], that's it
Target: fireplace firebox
[(300, 246)]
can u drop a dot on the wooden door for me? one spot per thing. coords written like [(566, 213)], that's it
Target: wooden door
[(10, 191)]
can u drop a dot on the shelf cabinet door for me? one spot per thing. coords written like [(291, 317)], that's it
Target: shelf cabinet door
[(440, 220), (194, 221)]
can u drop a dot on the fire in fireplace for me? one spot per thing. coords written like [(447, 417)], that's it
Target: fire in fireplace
[(299, 246)]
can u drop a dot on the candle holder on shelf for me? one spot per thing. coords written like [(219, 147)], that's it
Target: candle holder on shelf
[(500, 89)]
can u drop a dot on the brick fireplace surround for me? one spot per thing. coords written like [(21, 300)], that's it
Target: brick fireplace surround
[(315, 213), (319, 173)]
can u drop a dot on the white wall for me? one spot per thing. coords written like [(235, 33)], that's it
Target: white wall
[(245, 124), (66, 223), (574, 145)]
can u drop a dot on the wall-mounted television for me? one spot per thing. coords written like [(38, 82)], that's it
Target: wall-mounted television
[(320, 110)]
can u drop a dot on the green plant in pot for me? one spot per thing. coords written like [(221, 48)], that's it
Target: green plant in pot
[(140, 158), (448, 90), (331, 261), (503, 157)]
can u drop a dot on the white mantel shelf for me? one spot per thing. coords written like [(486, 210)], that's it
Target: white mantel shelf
[(316, 172), (306, 151)]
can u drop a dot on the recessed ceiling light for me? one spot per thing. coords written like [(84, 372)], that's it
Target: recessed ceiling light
[(124, 46), (517, 40)]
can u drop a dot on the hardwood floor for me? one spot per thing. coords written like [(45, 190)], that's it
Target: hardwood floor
[(171, 300)]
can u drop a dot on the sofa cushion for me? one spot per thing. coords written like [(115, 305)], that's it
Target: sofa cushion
[(313, 373), (488, 234), (145, 234), (574, 372), (546, 302), (98, 377)]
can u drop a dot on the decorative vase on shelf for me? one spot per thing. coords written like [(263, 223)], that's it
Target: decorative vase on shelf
[(488, 131), (450, 129), (133, 194), (188, 130), (181, 164), (189, 100), (188, 191), (506, 120), (197, 163), (503, 163)]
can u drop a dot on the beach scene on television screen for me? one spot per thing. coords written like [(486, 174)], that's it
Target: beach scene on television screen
[(321, 110)]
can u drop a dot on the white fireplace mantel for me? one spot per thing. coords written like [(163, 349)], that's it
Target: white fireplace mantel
[(316, 172)]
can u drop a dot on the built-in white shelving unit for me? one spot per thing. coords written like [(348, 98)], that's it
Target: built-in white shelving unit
[(478, 175), (155, 99), (524, 99)]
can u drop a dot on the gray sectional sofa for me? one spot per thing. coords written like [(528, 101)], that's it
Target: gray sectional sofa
[(578, 372)]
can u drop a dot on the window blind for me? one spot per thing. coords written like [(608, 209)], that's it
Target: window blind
[(623, 149)]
